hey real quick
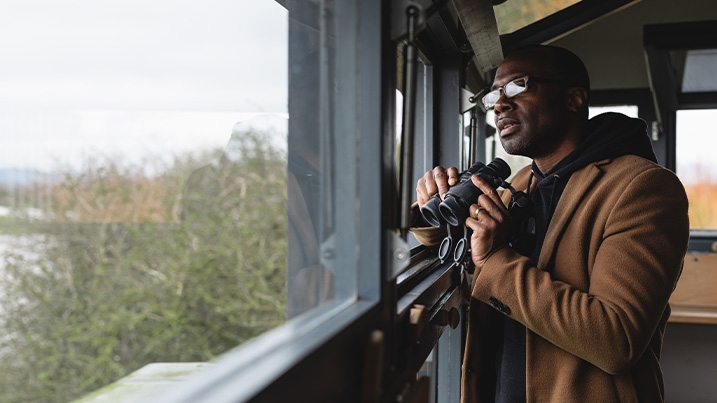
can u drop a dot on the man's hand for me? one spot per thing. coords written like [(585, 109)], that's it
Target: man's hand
[(490, 221), (438, 180)]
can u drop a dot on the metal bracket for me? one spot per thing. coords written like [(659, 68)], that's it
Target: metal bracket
[(468, 100), (399, 18), (656, 130), (400, 255)]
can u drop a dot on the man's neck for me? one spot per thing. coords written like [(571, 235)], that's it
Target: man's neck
[(568, 145), (547, 162)]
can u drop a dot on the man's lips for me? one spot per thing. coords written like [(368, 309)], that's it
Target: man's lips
[(506, 125)]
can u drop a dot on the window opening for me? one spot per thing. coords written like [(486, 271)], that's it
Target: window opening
[(515, 14), (697, 166), (150, 182)]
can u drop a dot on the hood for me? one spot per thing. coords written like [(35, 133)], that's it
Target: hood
[(610, 135)]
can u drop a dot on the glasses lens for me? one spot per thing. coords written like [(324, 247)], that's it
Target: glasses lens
[(491, 98), (511, 89), (515, 87)]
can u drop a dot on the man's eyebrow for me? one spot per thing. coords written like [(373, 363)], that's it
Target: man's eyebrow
[(517, 76)]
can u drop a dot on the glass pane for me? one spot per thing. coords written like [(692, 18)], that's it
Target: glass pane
[(515, 14), (697, 166), (156, 204), (700, 75), (322, 196)]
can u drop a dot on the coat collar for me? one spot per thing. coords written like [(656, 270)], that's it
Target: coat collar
[(578, 185)]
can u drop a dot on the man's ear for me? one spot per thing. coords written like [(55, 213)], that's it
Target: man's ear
[(577, 98)]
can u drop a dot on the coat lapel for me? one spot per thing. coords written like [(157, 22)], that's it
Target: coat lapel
[(578, 185)]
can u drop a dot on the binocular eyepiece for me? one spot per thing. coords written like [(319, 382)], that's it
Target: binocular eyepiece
[(454, 209)]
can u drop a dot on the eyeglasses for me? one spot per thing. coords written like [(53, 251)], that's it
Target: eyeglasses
[(510, 90)]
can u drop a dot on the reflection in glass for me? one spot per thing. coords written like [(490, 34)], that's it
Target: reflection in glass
[(311, 56), (322, 157)]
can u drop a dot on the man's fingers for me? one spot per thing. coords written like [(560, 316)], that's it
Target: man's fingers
[(481, 184), (488, 192), (452, 176), (473, 223), (441, 180), (421, 196), (438, 180), (428, 184)]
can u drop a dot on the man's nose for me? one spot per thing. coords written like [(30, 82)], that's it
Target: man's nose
[(503, 103)]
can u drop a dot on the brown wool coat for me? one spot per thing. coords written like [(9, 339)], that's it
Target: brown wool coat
[(596, 305)]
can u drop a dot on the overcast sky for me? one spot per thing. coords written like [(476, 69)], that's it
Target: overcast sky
[(131, 76), (140, 77)]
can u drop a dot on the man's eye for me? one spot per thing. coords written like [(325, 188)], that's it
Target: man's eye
[(512, 89)]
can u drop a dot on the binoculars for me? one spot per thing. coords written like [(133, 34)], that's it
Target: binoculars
[(454, 209)]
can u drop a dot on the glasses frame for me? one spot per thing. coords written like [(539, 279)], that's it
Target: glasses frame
[(511, 89)]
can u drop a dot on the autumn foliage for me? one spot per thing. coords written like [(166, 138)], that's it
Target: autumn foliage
[(125, 268)]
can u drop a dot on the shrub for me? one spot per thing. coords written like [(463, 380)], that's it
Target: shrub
[(141, 268)]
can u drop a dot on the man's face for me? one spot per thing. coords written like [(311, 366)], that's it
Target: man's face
[(532, 123)]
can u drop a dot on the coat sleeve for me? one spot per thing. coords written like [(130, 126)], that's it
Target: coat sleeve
[(629, 258)]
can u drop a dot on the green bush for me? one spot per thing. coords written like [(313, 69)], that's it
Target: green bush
[(85, 302)]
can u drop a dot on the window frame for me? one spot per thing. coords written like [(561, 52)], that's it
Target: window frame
[(272, 367), (356, 350)]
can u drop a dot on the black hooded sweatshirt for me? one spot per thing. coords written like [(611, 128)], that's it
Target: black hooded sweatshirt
[(610, 135)]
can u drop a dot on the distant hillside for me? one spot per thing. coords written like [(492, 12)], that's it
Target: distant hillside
[(21, 177)]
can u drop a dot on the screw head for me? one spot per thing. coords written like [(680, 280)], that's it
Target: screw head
[(400, 254)]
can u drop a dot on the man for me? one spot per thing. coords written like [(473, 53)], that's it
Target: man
[(579, 315)]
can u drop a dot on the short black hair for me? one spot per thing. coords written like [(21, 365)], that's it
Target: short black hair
[(568, 65)]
